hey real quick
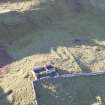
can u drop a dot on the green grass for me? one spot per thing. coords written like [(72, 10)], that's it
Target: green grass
[(89, 24), (30, 41), (71, 91), (60, 33)]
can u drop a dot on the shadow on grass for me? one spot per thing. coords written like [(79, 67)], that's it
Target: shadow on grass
[(16, 25), (84, 67), (4, 57), (71, 91), (61, 72)]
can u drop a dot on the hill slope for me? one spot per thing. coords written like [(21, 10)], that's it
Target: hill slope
[(42, 34)]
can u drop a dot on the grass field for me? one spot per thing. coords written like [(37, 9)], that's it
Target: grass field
[(74, 41), (71, 91)]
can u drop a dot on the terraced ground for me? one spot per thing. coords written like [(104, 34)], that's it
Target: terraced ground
[(69, 34)]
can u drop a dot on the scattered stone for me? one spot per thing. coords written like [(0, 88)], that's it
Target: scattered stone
[(80, 40), (99, 48), (11, 98), (83, 46), (26, 75), (8, 92), (77, 40)]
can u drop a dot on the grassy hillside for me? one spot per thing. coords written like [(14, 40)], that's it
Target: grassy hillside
[(68, 33)]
